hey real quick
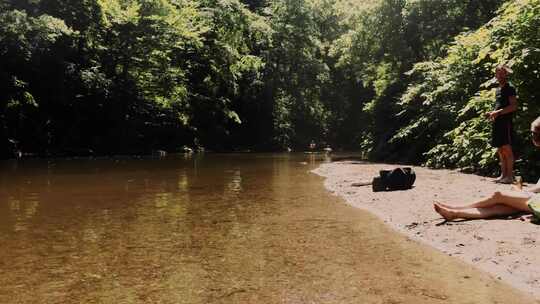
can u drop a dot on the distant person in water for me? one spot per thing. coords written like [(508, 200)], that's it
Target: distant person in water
[(499, 203), (502, 128)]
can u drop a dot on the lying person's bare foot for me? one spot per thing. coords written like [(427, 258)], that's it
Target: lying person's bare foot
[(445, 213), (446, 206), (443, 205)]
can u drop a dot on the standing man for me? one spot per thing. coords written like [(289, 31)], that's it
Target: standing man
[(501, 118)]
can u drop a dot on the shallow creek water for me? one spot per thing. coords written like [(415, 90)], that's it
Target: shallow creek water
[(213, 228)]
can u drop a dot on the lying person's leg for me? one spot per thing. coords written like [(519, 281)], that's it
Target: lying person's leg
[(514, 199), (476, 213)]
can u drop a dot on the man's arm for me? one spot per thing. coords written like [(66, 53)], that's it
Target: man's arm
[(512, 107)]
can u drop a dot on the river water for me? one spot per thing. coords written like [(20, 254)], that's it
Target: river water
[(210, 228)]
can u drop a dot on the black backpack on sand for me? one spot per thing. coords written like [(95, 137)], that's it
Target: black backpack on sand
[(396, 179)]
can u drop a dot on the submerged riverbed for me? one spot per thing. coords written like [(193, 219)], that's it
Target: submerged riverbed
[(214, 228)]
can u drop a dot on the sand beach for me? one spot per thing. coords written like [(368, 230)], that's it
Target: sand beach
[(506, 248)]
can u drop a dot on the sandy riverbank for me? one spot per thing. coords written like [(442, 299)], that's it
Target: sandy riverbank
[(509, 249)]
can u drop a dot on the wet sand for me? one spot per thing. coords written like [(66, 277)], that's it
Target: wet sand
[(505, 248)]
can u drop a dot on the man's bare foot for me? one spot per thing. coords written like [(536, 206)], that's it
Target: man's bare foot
[(447, 214), (505, 180)]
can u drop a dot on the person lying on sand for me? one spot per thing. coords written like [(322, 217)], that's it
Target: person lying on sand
[(499, 203)]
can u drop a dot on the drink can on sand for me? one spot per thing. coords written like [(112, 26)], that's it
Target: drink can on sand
[(519, 182)]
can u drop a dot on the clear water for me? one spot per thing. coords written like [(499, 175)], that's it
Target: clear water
[(231, 228)]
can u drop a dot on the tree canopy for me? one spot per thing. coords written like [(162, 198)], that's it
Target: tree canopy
[(398, 80)]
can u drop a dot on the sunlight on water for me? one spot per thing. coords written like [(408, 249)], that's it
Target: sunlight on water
[(23, 211), (234, 184), (235, 228)]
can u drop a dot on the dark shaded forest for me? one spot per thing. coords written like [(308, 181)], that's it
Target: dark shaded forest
[(404, 81)]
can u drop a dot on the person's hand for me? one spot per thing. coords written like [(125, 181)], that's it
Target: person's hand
[(526, 217), (492, 115)]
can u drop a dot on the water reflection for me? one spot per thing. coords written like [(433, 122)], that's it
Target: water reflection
[(196, 229), (22, 211), (234, 185), (183, 181)]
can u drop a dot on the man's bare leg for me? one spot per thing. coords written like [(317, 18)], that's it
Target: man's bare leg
[(508, 155), (502, 164)]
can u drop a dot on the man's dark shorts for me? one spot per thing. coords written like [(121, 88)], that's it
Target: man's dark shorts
[(502, 133)]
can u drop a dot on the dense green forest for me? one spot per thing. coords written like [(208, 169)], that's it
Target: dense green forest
[(398, 80)]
